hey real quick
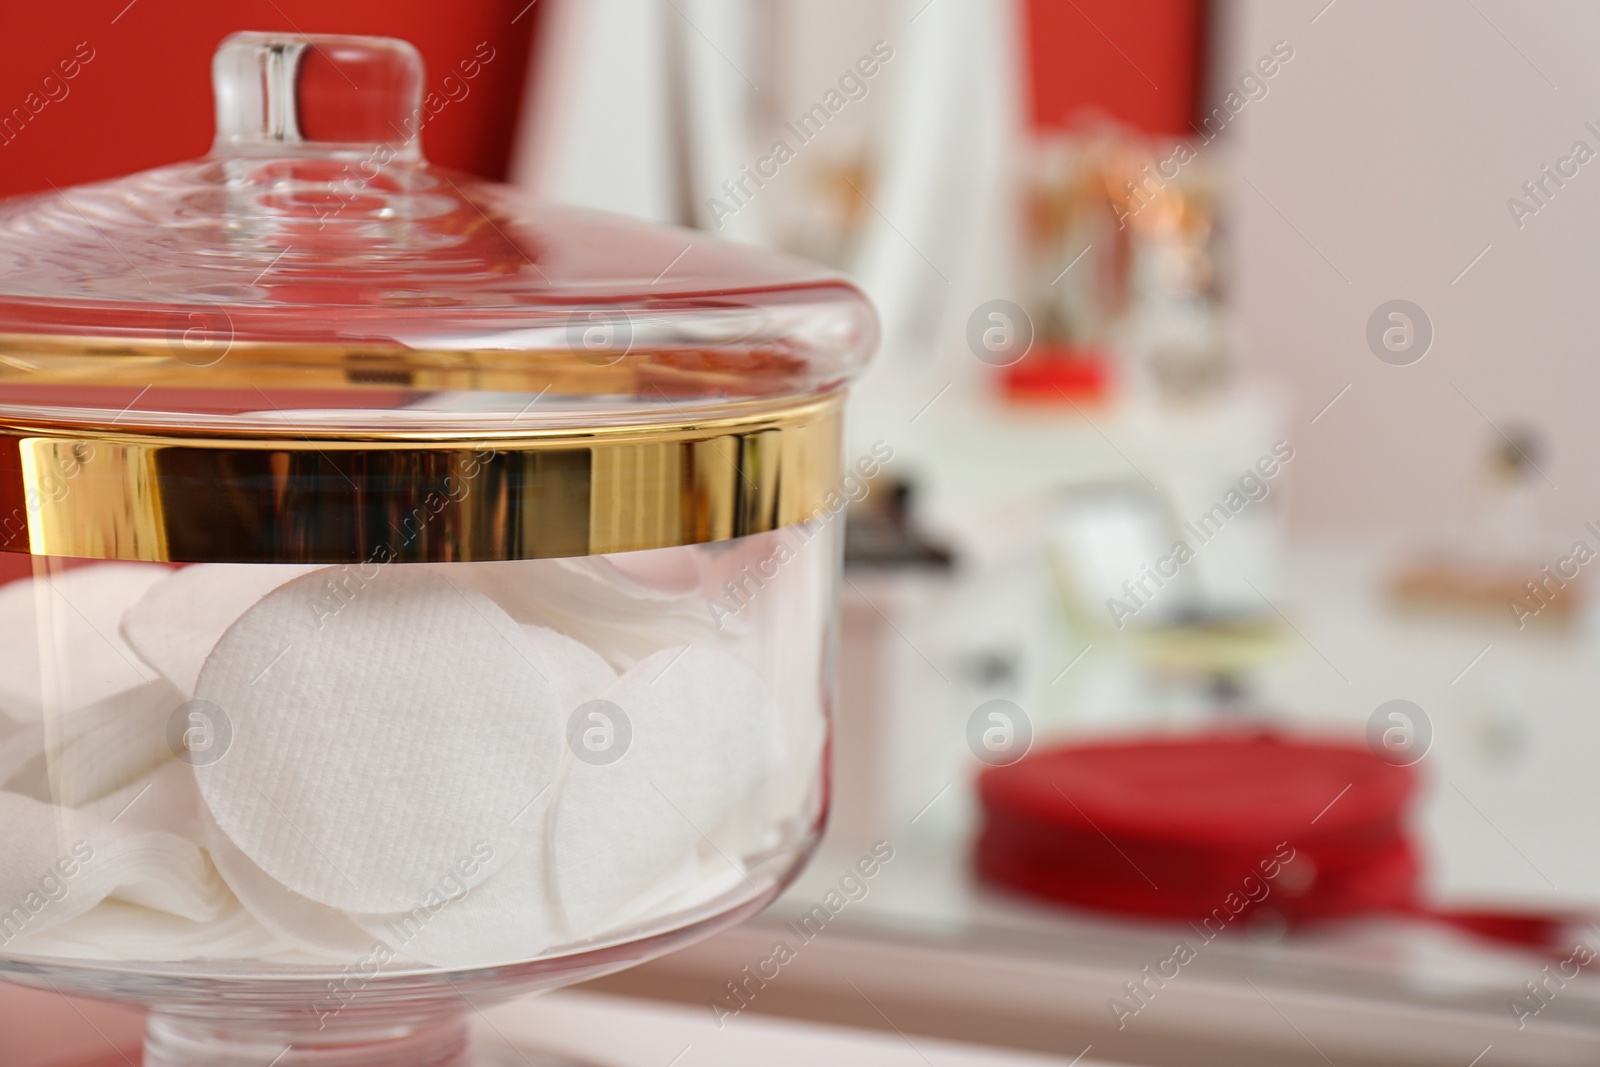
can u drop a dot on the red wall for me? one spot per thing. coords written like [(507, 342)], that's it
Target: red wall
[(1137, 61), (145, 97)]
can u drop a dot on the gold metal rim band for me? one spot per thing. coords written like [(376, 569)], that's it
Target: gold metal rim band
[(526, 495)]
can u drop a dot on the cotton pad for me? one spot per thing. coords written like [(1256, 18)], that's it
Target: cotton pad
[(75, 613), (26, 745), (114, 930), (590, 585), (60, 863), (507, 918), (593, 601), (322, 931), (512, 915), (701, 732), (163, 799), (656, 899), (711, 879), (176, 623), (77, 758), (130, 742), (675, 571), (373, 752), (788, 641), (681, 893), (18, 752), (783, 632), (578, 671)]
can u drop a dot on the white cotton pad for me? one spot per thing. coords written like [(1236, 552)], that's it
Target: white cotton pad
[(508, 918), (371, 754), (164, 799), (60, 863), (705, 876), (590, 585), (120, 931), (18, 752), (314, 928), (25, 747), (128, 742), (579, 671), (669, 570), (593, 601), (75, 759), (711, 879), (656, 899), (511, 917), (174, 626), (787, 639), (701, 726), (74, 615)]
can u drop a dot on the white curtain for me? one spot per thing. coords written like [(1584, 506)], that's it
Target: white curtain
[(646, 107)]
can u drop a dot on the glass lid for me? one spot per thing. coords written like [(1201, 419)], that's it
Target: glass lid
[(314, 347), (314, 269)]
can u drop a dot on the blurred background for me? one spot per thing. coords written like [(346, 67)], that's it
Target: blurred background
[(1232, 386)]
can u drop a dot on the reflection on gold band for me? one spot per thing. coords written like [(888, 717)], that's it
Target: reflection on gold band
[(104, 495), (208, 357)]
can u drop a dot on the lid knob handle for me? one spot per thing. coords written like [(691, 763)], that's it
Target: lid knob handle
[(319, 96)]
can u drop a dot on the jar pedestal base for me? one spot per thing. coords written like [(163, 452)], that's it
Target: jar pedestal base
[(184, 1041)]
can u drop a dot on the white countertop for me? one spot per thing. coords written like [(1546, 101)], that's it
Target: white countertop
[(48, 1030), (1507, 816), (624, 1032)]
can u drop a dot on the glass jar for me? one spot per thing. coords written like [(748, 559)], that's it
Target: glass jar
[(419, 592)]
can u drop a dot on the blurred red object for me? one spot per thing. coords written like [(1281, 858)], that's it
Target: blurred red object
[(1216, 830), (1138, 62), (1173, 828), (99, 89), (1053, 374)]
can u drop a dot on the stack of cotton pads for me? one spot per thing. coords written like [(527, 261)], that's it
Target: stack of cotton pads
[(310, 763)]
